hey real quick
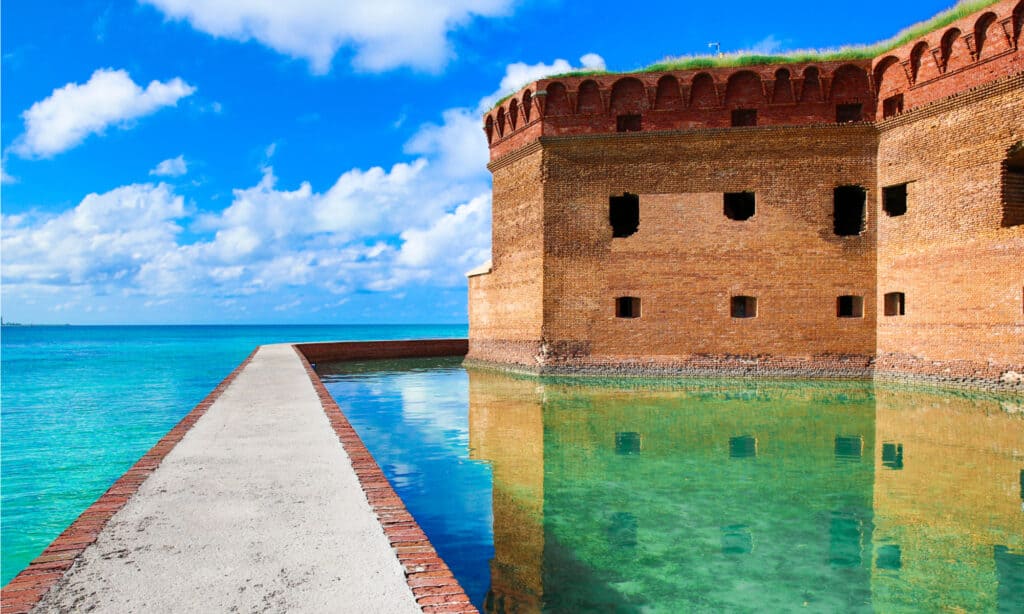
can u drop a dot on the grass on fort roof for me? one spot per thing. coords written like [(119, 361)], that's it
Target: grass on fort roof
[(850, 52)]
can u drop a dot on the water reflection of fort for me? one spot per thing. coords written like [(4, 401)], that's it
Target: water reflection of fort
[(765, 496)]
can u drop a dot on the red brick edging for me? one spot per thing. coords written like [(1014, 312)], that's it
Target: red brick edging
[(27, 588), (432, 583)]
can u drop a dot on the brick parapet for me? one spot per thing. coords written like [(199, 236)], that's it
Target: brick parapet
[(800, 93)]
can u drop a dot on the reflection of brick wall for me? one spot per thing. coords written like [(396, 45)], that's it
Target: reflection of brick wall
[(549, 302)]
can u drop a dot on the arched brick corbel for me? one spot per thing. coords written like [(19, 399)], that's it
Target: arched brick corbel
[(684, 94), (1007, 25), (969, 41), (652, 95), (908, 68), (539, 101), (937, 58), (826, 87)]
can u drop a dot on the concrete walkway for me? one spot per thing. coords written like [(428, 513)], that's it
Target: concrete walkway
[(256, 509)]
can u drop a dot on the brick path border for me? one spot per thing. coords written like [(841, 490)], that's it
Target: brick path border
[(27, 588), (432, 583)]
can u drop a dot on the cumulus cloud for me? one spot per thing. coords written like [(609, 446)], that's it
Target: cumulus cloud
[(458, 143), (384, 34), (424, 221), (172, 167), (4, 177), (460, 238), (519, 74), (106, 239), (73, 112)]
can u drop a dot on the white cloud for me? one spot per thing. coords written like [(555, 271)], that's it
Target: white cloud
[(4, 177), (384, 34), (458, 143), (461, 237), (73, 112), (172, 167), (519, 74), (106, 239), (766, 46), (420, 222)]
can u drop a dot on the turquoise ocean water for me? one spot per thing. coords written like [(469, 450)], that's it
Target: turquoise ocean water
[(80, 404)]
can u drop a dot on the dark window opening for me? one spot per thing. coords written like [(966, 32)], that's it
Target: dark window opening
[(627, 307), (893, 105), (1013, 187), (737, 539), (848, 209), (622, 530), (624, 214), (846, 535), (888, 557), (744, 117), (894, 200), (739, 205), (743, 307), (627, 443), (627, 123), (1010, 579), (850, 306), (849, 448), (847, 113), (892, 455), (895, 304), (744, 446)]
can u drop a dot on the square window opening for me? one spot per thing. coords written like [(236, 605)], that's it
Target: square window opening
[(628, 123), (739, 205), (743, 307), (744, 117), (848, 210), (892, 106), (849, 113), (627, 307), (894, 200), (624, 214), (895, 304), (627, 443), (850, 306)]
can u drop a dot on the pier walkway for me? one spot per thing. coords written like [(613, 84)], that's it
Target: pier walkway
[(257, 508)]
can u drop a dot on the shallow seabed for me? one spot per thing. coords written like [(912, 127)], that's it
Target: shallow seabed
[(701, 495)]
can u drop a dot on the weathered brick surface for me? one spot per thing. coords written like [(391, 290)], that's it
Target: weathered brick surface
[(369, 350), (962, 272), (548, 305)]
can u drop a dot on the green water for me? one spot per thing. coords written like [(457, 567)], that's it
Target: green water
[(710, 496)]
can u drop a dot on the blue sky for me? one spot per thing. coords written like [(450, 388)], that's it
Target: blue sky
[(311, 161)]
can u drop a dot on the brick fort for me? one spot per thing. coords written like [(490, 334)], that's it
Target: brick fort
[(835, 218)]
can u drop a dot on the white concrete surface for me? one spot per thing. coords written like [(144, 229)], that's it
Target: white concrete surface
[(256, 509)]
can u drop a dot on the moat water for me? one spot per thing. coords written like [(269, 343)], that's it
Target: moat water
[(701, 496), (80, 404)]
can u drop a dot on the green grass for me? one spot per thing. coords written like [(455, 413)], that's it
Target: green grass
[(849, 52)]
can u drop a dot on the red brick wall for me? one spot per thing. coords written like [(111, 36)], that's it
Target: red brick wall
[(367, 350), (962, 272), (687, 258), (505, 315)]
